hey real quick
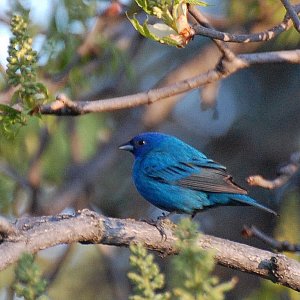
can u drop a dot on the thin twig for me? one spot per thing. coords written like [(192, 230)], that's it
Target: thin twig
[(285, 174), (274, 244), (247, 38), (292, 13), (258, 180), (202, 20)]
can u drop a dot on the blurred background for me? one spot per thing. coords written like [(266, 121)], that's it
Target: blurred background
[(89, 50)]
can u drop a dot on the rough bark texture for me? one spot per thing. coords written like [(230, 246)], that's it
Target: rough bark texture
[(34, 234)]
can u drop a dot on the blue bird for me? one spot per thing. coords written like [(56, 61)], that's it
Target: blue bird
[(178, 178)]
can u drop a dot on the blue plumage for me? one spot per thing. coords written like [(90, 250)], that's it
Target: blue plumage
[(178, 178)]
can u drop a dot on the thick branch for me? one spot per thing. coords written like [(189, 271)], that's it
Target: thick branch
[(88, 227), (6, 229), (64, 106)]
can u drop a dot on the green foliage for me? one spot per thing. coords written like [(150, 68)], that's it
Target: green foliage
[(194, 266), (21, 67), (29, 283), (146, 275), (174, 29), (10, 121), (145, 31), (21, 73), (192, 270)]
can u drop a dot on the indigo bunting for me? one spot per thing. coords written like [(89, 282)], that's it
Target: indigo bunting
[(176, 177)]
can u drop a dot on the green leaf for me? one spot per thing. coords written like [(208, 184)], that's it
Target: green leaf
[(9, 110), (195, 2), (146, 276), (144, 4), (194, 267), (144, 30), (29, 282)]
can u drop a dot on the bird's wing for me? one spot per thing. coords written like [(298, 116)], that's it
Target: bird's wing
[(211, 180), (206, 175)]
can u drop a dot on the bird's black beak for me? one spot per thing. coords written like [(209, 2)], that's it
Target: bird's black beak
[(127, 147)]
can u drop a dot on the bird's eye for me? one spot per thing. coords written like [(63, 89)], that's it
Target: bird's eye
[(141, 142)]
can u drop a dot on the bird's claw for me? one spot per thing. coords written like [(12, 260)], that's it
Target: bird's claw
[(159, 225)]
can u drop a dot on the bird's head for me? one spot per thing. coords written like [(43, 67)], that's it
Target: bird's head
[(143, 143)]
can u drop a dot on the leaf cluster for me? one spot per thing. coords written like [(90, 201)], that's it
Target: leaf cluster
[(146, 276), (174, 28), (21, 73), (192, 269), (29, 282), (10, 121), (21, 67)]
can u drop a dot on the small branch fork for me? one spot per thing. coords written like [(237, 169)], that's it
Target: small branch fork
[(33, 234)]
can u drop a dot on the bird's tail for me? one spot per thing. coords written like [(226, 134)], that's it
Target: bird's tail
[(246, 200)]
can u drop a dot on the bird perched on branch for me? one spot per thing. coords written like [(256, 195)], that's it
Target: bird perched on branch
[(178, 178)]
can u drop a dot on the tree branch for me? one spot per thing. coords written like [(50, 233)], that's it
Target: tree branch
[(268, 240), (250, 38), (203, 21), (64, 106), (6, 229), (292, 13), (287, 173), (89, 227)]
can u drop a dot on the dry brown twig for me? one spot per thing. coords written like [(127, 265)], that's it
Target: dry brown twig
[(286, 173), (268, 240)]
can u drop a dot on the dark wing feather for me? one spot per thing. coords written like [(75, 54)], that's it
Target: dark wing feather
[(211, 180)]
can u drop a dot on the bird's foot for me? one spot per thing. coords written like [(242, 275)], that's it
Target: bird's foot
[(159, 224)]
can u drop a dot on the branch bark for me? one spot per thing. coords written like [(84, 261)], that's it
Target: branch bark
[(268, 240), (292, 13), (288, 173), (290, 18), (34, 234), (65, 106)]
